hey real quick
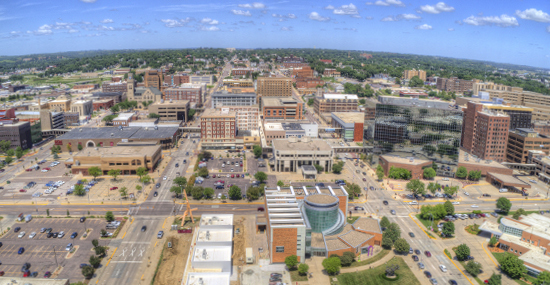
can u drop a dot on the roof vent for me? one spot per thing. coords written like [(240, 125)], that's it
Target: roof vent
[(112, 134)]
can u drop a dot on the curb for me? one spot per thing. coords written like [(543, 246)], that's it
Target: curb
[(422, 228), (460, 270)]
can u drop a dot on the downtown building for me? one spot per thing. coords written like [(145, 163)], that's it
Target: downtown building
[(274, 87), (334, 102), (454, 84), (187, 91), (218, 129)]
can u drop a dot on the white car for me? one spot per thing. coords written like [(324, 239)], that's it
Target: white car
[(455, 203), (413, 203), (533, 181), (443, 268), (21, 234), (32, 235), (474, 206), (44, 170), (466, 193), (69, 247), (164, 178), (61, 234)]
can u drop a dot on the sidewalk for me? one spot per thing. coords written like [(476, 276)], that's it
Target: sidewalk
[(385, 259)]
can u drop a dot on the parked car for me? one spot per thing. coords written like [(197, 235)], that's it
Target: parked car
[(21, 250), (428, 254), (113, 188), (160, 234), (428, 274), (392, 212), (32, 235), (411, 234), (82, 219), (69, 247), (415, 258), (144, 228), (443, 268), (385, 203), (421, 265), (74, 235)]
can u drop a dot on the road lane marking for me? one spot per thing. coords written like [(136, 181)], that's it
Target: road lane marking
[(490, 255), (460, 270), (111, 257)]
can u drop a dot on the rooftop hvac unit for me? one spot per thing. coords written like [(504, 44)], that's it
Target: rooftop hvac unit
[(204, 254), (215, 219), (207, 235), (201, 282)]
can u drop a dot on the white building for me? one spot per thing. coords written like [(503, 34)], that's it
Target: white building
[(208, 278)]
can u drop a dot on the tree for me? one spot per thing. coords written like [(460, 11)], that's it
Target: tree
[(123, 192), (109, 216), (449, 207), (429, 173), (387, 243), (493, 241), (5, 145), (393, 232), (95, 242), (513, 266), (385, 222), (197, 192), (416, 187), (253, 193), (461, 172), (260, 176), (176, 190), (347, 258), (462, 252), (94, 261), (332, 265), (138, 187), (257, 151), (145, 179), (100, 250), (8, 159), (504, 204), (88, 272), (518, 213), (191, 113), (543, 278), (79, 190), (379, 172), (95, 171), (18, 152), (450, 190), (11, 152), (362, 101), (235, 193), (474, 175), (79, 146), (448, 229), (203, 172), (280, 183), (496, 279), (337, 168), (141, 171), (473, 268), (291, 261), (401, 245), (69, 147), (303, 268), (153, 116), (114, 173), (353, 190), (318, 167), (208, 193), (416, 82), (397, 81), (180, 181), (433, 187), (115, 109)]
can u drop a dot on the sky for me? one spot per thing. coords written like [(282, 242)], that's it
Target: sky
[(507, 31)]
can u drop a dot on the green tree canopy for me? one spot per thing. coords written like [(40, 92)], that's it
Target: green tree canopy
[(416, 82), (384, 222), (353, 190), (504, 204), (496, 279), (332, 265), (393, 232), (379, 172), (257, 151), (448, 229), (518, 213), (543, 278), (513, 266), (473, 268), (141, 171), (429, 173), (203, 172), (114, 173), (449, 207), (181, 181), (416, 187), (109, 216), (260, 176), (95, 171), (462, 252), (291, 261), (461, 172), (401, 245), (474, 175), (303, 268), (235, 193), (79, 190), (209, 193)]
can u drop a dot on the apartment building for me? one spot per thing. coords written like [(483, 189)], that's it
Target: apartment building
[(225, 98), (176, 79), (304, 71), (247, 118), (171, 110), (238, 83), (114, 86), (274, 87), (308, 82), (153, 78), (409, 74), (542, 127), (335, 102), (241, 71), (521, 141), (218, 129), (517, 96), (282, 109), (350, 123), (454, 84), (190, 92), (17, 133), (201, 79), (520, 116), (527, 237), (331, 72)]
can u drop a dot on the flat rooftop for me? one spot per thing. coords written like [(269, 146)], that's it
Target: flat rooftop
[(231, 94), (273, 127), (34, 281), (340, 96), (509, 179), (216, 220), (404, 160), (116, 133), (310, 145), (211, 253), (278, 102), (217, 113), (215, 235), (119, 151), (367, 224), (208, 278), (174, 102), (478, 161), (350, 117), (124, 116)]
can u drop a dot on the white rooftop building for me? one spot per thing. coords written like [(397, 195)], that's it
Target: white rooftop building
[(208, 278), (212, 257), (218, 221)]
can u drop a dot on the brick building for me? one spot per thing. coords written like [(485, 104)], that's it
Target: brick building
[(218, 129), (485, 132), (366, 55), (176, 79), (409, 74), (305, 71), (454, 84), (414, 165), (312, 82), (153, 78), (103, 104), (521, 141), (483, 165), (241, 71), (282, 109), (274, 86), (350, 123), (190, 92), (327, 61), (331, 72), (335, 102), (542, 127), (247, 117)]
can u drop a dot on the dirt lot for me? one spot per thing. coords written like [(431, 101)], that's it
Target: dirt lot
[(174, 260)]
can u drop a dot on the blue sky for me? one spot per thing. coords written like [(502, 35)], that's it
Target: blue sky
[(510, 31)]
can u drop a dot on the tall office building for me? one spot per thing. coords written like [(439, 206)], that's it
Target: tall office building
[(153, 78), (408, 74), (274, 87)]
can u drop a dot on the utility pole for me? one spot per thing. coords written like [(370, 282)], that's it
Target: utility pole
[(55, 255)]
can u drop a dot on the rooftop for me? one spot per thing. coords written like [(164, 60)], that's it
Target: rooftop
[(465, 158), (119, 151), (140, 90), (340, 96), (509, 179), (120, 133), (276, 102), (292, 126), (322, 199), (208, 278), (35, 281), (273, 126), (217, 113), (168, 102), (211, 253), (214, 235), (230, 94), (333, 243), (367, 224), (537, 258), (305, 144), (124, 116), (216, 220), (350, 117), (355, 238), (404, 160)]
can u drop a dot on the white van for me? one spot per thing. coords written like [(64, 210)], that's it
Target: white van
[(502, 190)]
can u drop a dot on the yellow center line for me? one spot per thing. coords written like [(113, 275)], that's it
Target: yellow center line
[(460, 270), (164, 223), (111, 257), (490, 255)]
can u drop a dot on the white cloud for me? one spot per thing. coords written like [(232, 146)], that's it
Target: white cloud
[(209, 21), (263, 23), (281, 17), (315, 16), (534, 15), (408, 17), (451, 29), (346, 10), (106, 21), (389, 19), (88, 1), (437, 8), (501, 21), (241, 13), (329, 7), (72, 31), (423, 27), (172, 23), (43, 30), (106, 28), (255, 5), (287, 29), (356, 16), (369, 18), (209, 29), (387, 3)]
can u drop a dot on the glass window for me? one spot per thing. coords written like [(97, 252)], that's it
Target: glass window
[(280, 249)]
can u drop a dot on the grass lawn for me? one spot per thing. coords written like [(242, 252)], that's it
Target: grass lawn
[(373, 259), (295, 276), (499, 256), (428, 223), (372, 276), (352, 220)]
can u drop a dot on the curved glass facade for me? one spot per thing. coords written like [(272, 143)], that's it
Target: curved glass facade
[(321, 216)]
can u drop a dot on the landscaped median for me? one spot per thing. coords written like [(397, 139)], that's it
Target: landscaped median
[(426, 232)]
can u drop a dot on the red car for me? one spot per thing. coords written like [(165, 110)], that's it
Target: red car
[(232, 175), (22, 190), (27, 274), (241, 165), (213, 175), (428, 254), (113, 188), (47, 168), (28, 169)]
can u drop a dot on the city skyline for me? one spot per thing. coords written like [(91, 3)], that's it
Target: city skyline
[(505, 32)]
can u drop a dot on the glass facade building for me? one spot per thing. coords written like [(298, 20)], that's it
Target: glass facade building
[(323, 214), (420, 132)]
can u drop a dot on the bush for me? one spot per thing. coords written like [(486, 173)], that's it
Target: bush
[(291, 261), (109, 216), (88, 272), (347, 258), (332, 265), (513, 266), (473, 268), (303, 268), (462, 252)]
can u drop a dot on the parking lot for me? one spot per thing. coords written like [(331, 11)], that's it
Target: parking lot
[(221, 165), (44, 254), (243, 183)]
